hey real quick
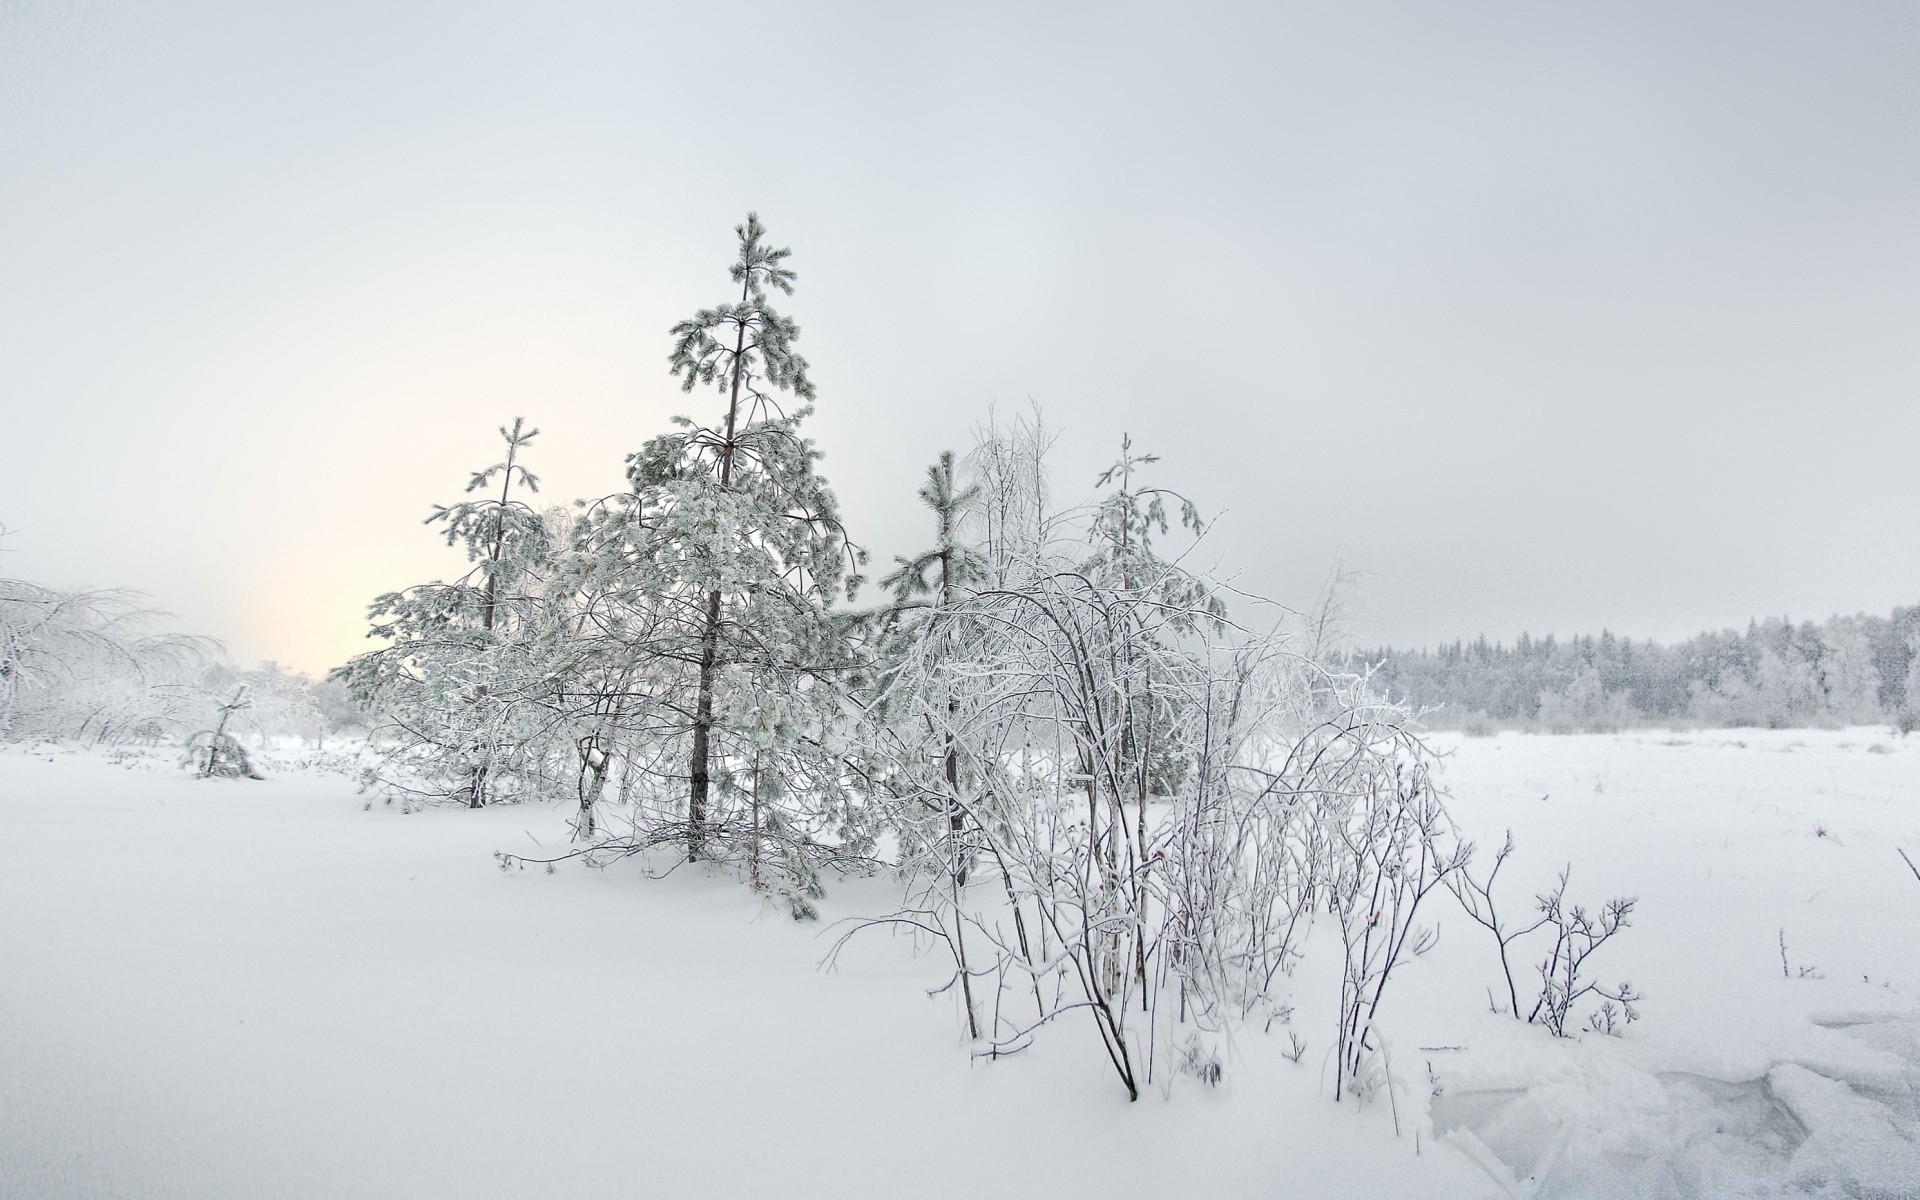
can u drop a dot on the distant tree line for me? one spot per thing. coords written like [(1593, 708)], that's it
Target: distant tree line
[(1843, 671)]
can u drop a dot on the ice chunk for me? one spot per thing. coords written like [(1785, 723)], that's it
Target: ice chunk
[(1851, 1140)]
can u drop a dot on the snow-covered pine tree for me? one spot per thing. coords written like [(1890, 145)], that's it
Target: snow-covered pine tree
[(722, 561), (925, 589), (912, 745), (463, 687)]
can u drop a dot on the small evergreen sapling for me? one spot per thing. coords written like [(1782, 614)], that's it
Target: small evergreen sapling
[(925, 589), (465, 685), (776, 524), (215, 752)]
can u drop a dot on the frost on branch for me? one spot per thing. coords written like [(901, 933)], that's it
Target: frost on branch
[(1576, 935)]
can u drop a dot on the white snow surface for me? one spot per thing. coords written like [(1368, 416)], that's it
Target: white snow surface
[(240, 988)]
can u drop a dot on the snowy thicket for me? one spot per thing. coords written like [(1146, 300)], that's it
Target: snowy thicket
[(1116, 793), (89, 666), (85, 665), (1117, 805)]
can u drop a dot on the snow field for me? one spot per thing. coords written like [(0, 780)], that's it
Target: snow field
[(229, 988), (1738, 1080)]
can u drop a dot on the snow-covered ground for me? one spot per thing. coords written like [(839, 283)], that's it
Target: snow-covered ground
[(1741, 1078), (236, 988)]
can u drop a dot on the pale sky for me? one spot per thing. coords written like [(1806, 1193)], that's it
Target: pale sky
[(1547, 316)]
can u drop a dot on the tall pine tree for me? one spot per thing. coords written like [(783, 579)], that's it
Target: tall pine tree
[(732, 544)]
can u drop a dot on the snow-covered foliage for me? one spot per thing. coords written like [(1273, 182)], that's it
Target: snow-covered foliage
[(463, 687), (85, 665), (701, 624), (1117, 805), (1114, 800), (215, 752), (673, 643)]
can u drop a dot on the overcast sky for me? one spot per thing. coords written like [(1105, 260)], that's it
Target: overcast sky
[(1547, 316)]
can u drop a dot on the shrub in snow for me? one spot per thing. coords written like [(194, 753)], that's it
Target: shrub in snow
[(1117, 807), (1576, 935), (1392, 845)]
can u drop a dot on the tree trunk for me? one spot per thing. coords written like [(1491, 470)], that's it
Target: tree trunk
[(702, 727), (700, 775), (499, 535), (594, 762)]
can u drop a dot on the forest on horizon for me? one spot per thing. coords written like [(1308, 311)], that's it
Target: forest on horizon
[(1846, 670)]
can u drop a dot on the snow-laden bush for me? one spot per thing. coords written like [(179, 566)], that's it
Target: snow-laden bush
[(1115, 804), (217, 753), (85, 665)]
